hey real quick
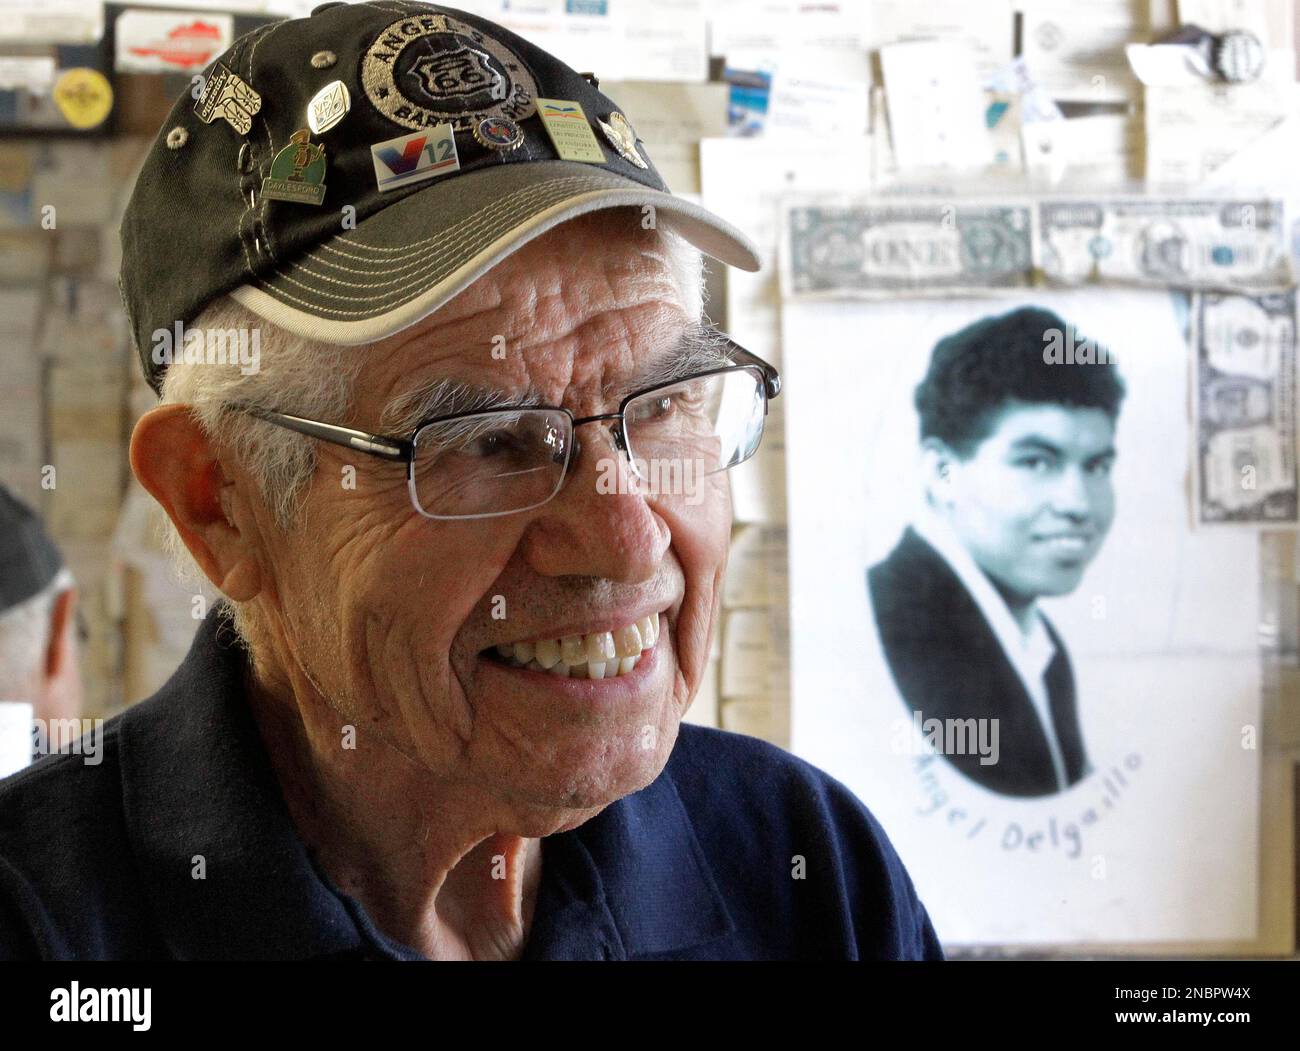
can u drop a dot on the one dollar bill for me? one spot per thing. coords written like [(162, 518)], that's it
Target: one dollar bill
[(1245, 411), (1229, 245), (906, 247)]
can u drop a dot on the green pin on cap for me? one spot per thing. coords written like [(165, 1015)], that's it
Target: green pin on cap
[(298, 172)]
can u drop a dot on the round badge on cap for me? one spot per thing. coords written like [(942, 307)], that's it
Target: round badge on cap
[(499, 133)]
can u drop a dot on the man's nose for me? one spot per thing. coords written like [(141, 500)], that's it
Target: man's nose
[(1072, 493), (599, 524)]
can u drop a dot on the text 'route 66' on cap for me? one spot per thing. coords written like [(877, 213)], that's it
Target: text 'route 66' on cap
[(344, 175)]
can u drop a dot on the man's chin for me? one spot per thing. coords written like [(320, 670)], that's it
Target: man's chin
[(1057, 584), (589, 777)]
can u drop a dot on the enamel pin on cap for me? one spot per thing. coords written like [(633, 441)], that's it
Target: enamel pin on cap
[(621, 136), (414, 158), (499, 133), (569, 132), (298, 172), (329, 106), (227, 95)]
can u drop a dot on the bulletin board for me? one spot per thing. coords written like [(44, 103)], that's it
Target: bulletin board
[(905, 167)]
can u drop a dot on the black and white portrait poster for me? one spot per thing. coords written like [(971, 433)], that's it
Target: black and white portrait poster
[(1007, 637)]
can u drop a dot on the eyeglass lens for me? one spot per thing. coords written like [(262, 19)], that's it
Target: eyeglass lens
[(503, 461)]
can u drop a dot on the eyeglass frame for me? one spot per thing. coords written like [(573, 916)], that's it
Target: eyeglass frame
[(402, 450)]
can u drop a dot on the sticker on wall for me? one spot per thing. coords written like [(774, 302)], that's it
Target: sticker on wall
[(84, 97), (169, 41)]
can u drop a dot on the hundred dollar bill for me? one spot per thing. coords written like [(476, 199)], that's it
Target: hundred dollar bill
[(1245, 411), (1228, 245), (906, 247)]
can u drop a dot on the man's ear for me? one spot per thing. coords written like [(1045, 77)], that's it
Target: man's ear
[(59, 650), (174, 460), (938, 461)]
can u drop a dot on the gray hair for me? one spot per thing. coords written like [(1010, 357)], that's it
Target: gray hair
[(25, 636), (309, 379)]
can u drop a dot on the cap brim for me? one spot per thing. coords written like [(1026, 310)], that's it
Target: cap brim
[(404, 262)]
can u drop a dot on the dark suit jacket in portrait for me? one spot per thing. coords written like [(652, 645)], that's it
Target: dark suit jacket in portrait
[(949, 664)]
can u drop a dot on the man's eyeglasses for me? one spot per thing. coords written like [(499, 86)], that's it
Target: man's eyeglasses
[(501, 461)]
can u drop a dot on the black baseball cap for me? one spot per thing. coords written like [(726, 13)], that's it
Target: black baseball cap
[(29, 559), (344, 175)]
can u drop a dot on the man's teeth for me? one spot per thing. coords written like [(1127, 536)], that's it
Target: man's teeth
[(600, 655)]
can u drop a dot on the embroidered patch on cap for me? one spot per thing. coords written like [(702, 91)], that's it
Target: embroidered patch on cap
[(434, 69)]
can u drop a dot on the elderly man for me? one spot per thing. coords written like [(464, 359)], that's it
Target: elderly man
[(464, 494)]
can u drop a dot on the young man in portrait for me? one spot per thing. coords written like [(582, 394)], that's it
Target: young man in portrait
[(1017, 447)]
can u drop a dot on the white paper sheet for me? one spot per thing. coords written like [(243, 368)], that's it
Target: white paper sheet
[(1103, 150), (1193, 131), (986, 28), (1077, 50), (936, 106)]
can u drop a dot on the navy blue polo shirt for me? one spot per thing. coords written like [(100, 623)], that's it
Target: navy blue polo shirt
[(99, 861)]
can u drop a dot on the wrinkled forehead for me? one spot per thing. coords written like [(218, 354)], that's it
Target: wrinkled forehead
[(589, 305), (436, 379)]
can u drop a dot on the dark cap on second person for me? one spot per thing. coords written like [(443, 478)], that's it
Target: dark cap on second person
[(29, 559)]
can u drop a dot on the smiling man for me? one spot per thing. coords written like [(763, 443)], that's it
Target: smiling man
[(438, 711), (1017, 450)]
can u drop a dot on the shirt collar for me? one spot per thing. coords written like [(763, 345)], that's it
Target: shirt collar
[(1030, 652), (229, 877)]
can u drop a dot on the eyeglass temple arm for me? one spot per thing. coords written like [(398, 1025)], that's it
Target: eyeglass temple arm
[(374, 444), (771, 378)]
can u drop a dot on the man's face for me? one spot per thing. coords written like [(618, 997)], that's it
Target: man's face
[(395, 616), (1034, 501)]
